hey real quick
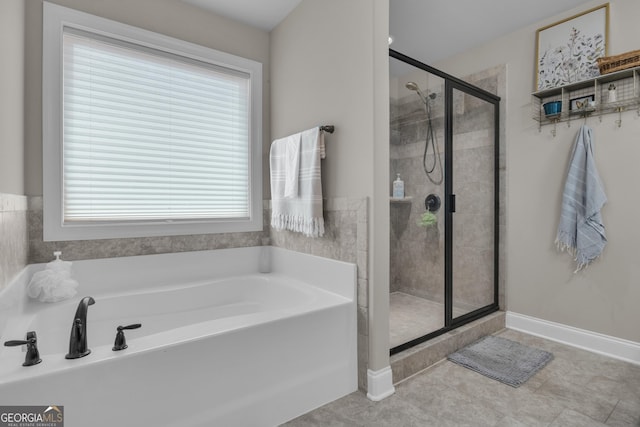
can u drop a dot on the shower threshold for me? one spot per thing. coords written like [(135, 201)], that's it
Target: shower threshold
[(414, 320)]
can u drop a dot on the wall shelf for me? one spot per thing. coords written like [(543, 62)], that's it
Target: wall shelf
[(407, 199), (627, 83)]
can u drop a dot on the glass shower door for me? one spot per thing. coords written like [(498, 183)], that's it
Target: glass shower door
[(443, 256), (416, 154), (471, 203)]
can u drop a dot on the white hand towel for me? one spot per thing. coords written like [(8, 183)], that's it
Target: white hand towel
[(285, 164), (302, 213), (292, 165)]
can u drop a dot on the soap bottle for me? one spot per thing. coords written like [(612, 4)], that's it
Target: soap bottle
[(398, 188)]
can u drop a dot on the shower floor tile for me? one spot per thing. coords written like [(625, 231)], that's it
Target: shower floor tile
[(411, 317)]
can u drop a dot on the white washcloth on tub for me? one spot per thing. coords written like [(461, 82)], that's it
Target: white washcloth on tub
[(303, 212)]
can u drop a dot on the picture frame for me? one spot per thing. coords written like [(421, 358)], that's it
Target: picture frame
[(579, 102), (566, 51)]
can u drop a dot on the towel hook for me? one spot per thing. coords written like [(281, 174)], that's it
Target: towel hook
[(327, 128), (555, 125)]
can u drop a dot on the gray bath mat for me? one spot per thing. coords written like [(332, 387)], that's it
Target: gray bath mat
[(504, 360)]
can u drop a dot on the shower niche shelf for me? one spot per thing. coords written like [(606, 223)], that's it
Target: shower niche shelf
[(575, 98), (407, 199)]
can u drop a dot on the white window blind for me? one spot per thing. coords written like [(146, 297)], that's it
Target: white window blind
[(149, 135)]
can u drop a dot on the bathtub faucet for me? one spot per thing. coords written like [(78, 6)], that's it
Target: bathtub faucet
[(78, 340), (33, 355)]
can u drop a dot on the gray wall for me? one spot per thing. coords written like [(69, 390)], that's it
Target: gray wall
[(540, 280), (13, 205), (12, 35)]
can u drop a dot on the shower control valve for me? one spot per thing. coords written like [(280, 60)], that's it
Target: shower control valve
[(432, 203)]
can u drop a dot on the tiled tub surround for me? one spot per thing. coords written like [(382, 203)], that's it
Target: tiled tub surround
[(13, 236), (211, 324), (345, 239), (417, 253), (41, 251)]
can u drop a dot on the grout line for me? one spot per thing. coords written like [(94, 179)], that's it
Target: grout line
[(612, 411), (564, 408)]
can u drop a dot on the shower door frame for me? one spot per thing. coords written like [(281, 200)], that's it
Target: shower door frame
[(452, 83)]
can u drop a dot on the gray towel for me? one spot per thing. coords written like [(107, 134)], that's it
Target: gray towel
[(581, 232)]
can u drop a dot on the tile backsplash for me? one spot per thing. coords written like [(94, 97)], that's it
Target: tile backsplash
[(41, 251), (13, 236)]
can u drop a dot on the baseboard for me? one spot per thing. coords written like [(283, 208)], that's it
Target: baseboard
[(618, 348), (380, 384)]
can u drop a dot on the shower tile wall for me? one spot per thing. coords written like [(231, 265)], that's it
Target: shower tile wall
[(13, 236), (473, 221), (417, 253)]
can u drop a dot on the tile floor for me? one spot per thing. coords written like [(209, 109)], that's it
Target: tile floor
[(577, 388)]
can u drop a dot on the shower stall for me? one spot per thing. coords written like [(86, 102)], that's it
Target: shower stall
[(444, 231)]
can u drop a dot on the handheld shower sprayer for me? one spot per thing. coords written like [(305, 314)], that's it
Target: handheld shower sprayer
[(430, 138), (414, 87)]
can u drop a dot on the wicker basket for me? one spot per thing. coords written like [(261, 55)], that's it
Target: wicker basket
[(609, 64)]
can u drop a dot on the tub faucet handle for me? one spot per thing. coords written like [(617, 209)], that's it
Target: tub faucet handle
[(121, 342), (33, 355)]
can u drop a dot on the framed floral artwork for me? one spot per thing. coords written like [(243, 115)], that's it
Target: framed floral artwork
[(566, 51)]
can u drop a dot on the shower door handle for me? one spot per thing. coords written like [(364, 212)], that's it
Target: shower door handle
[(452, 203)]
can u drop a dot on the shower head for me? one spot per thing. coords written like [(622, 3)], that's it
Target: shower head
[(414, 86)]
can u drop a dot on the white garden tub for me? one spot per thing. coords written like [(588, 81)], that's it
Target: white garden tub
[(220, 343)]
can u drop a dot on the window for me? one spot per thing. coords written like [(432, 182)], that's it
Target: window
[(144, 134)]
